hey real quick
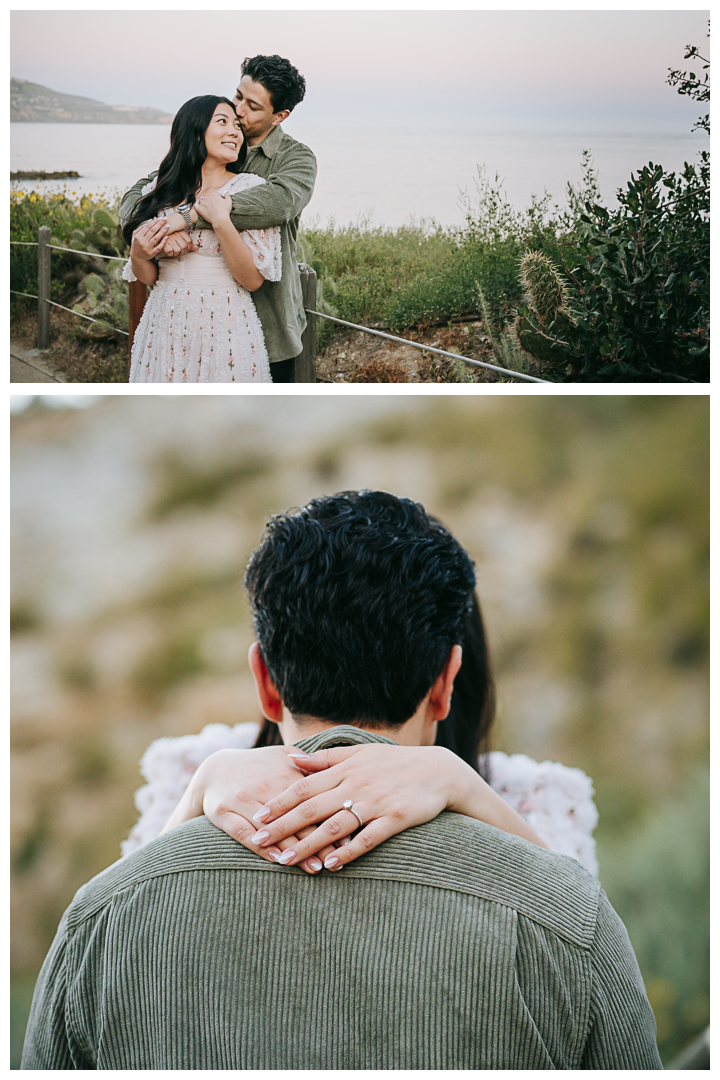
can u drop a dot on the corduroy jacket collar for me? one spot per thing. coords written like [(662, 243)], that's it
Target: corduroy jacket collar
[(341, 735)]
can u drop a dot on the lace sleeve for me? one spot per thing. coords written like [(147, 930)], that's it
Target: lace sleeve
[(266, 251), (127, 274), (555, 800), (168, 765)]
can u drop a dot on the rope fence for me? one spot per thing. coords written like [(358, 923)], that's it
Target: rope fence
[(92, 254), (44, 275), (305, 363)]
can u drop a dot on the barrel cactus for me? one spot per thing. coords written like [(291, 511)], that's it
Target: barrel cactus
[(545, 291)]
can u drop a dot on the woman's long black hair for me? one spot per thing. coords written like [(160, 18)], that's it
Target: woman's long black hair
[(466, 729), (180, 172)]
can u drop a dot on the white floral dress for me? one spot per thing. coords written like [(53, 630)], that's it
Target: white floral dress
[(555, 800), (199, 325)]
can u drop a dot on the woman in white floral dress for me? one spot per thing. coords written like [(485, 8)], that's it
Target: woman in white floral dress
[(221, 771), (200, 323)]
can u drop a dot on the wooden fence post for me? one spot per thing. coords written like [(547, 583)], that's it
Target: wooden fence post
[(137, 298), (305, 362), (43, 287)]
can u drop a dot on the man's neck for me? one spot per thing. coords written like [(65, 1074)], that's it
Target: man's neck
[(255, 140), (415, 732)]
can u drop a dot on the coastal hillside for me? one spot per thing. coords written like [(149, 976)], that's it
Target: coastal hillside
[(31, 103)]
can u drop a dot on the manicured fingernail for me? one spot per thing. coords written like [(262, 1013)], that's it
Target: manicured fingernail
[(331, 862), (260, 836), (286, 857), (345, 840), (298, 753), (314, 864), (274, 853), (263, 814)]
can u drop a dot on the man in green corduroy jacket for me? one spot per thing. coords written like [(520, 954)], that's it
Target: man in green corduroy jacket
[(452, 945)]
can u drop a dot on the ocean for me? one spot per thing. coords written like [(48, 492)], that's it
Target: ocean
[(389, 177)]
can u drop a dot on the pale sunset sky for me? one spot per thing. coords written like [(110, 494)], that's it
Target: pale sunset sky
[(603, 71)]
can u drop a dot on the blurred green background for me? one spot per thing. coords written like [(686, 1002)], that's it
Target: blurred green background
[(588, 519)]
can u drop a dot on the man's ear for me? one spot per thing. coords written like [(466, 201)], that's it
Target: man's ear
[(441, 690), (280, 117), (271, 703)]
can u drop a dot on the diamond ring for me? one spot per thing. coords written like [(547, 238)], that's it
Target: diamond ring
[(348, 805)]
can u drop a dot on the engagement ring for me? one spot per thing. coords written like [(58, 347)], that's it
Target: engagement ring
[(348, 805)]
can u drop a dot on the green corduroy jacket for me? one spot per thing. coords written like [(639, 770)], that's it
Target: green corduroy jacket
[(451, 946), (290, 169)]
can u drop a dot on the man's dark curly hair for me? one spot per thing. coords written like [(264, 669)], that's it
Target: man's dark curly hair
[(283, 82), (358, 599)]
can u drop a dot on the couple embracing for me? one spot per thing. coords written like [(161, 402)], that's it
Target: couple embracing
[(350, 893), (217, 223)]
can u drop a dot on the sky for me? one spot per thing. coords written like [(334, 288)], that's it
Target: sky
[(381, 69)]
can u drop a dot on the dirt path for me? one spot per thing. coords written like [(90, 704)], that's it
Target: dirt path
[(31, 366)]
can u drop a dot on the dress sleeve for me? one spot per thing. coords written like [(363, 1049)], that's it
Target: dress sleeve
[(556, 801), (127, 274), (266, 251), (168, 766)]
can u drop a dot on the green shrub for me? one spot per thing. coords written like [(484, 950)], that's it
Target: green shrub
[(640, 286), (658, 880), (639, 282)]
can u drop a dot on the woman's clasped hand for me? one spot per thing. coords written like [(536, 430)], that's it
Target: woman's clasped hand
[(148, 241), (231, 786), (288, 806), (214, 206)]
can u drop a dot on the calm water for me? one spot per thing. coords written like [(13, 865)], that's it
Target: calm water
[(393, 176)]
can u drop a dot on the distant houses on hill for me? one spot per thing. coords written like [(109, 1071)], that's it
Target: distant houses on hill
[(31, 103)]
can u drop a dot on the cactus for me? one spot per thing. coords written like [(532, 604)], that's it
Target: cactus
[(95, 287), (545, 291), (104, 298), (103, 217)]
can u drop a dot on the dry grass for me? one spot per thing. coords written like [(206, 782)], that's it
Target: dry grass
[(378, 369), (360, 358)]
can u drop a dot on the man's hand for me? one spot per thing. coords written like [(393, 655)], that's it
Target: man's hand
[(178, 243)]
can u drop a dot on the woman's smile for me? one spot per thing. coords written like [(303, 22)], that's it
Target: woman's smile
[(224, 136)]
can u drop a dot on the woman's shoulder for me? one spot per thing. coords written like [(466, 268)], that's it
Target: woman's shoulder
[(242, 182), (555, 799)]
